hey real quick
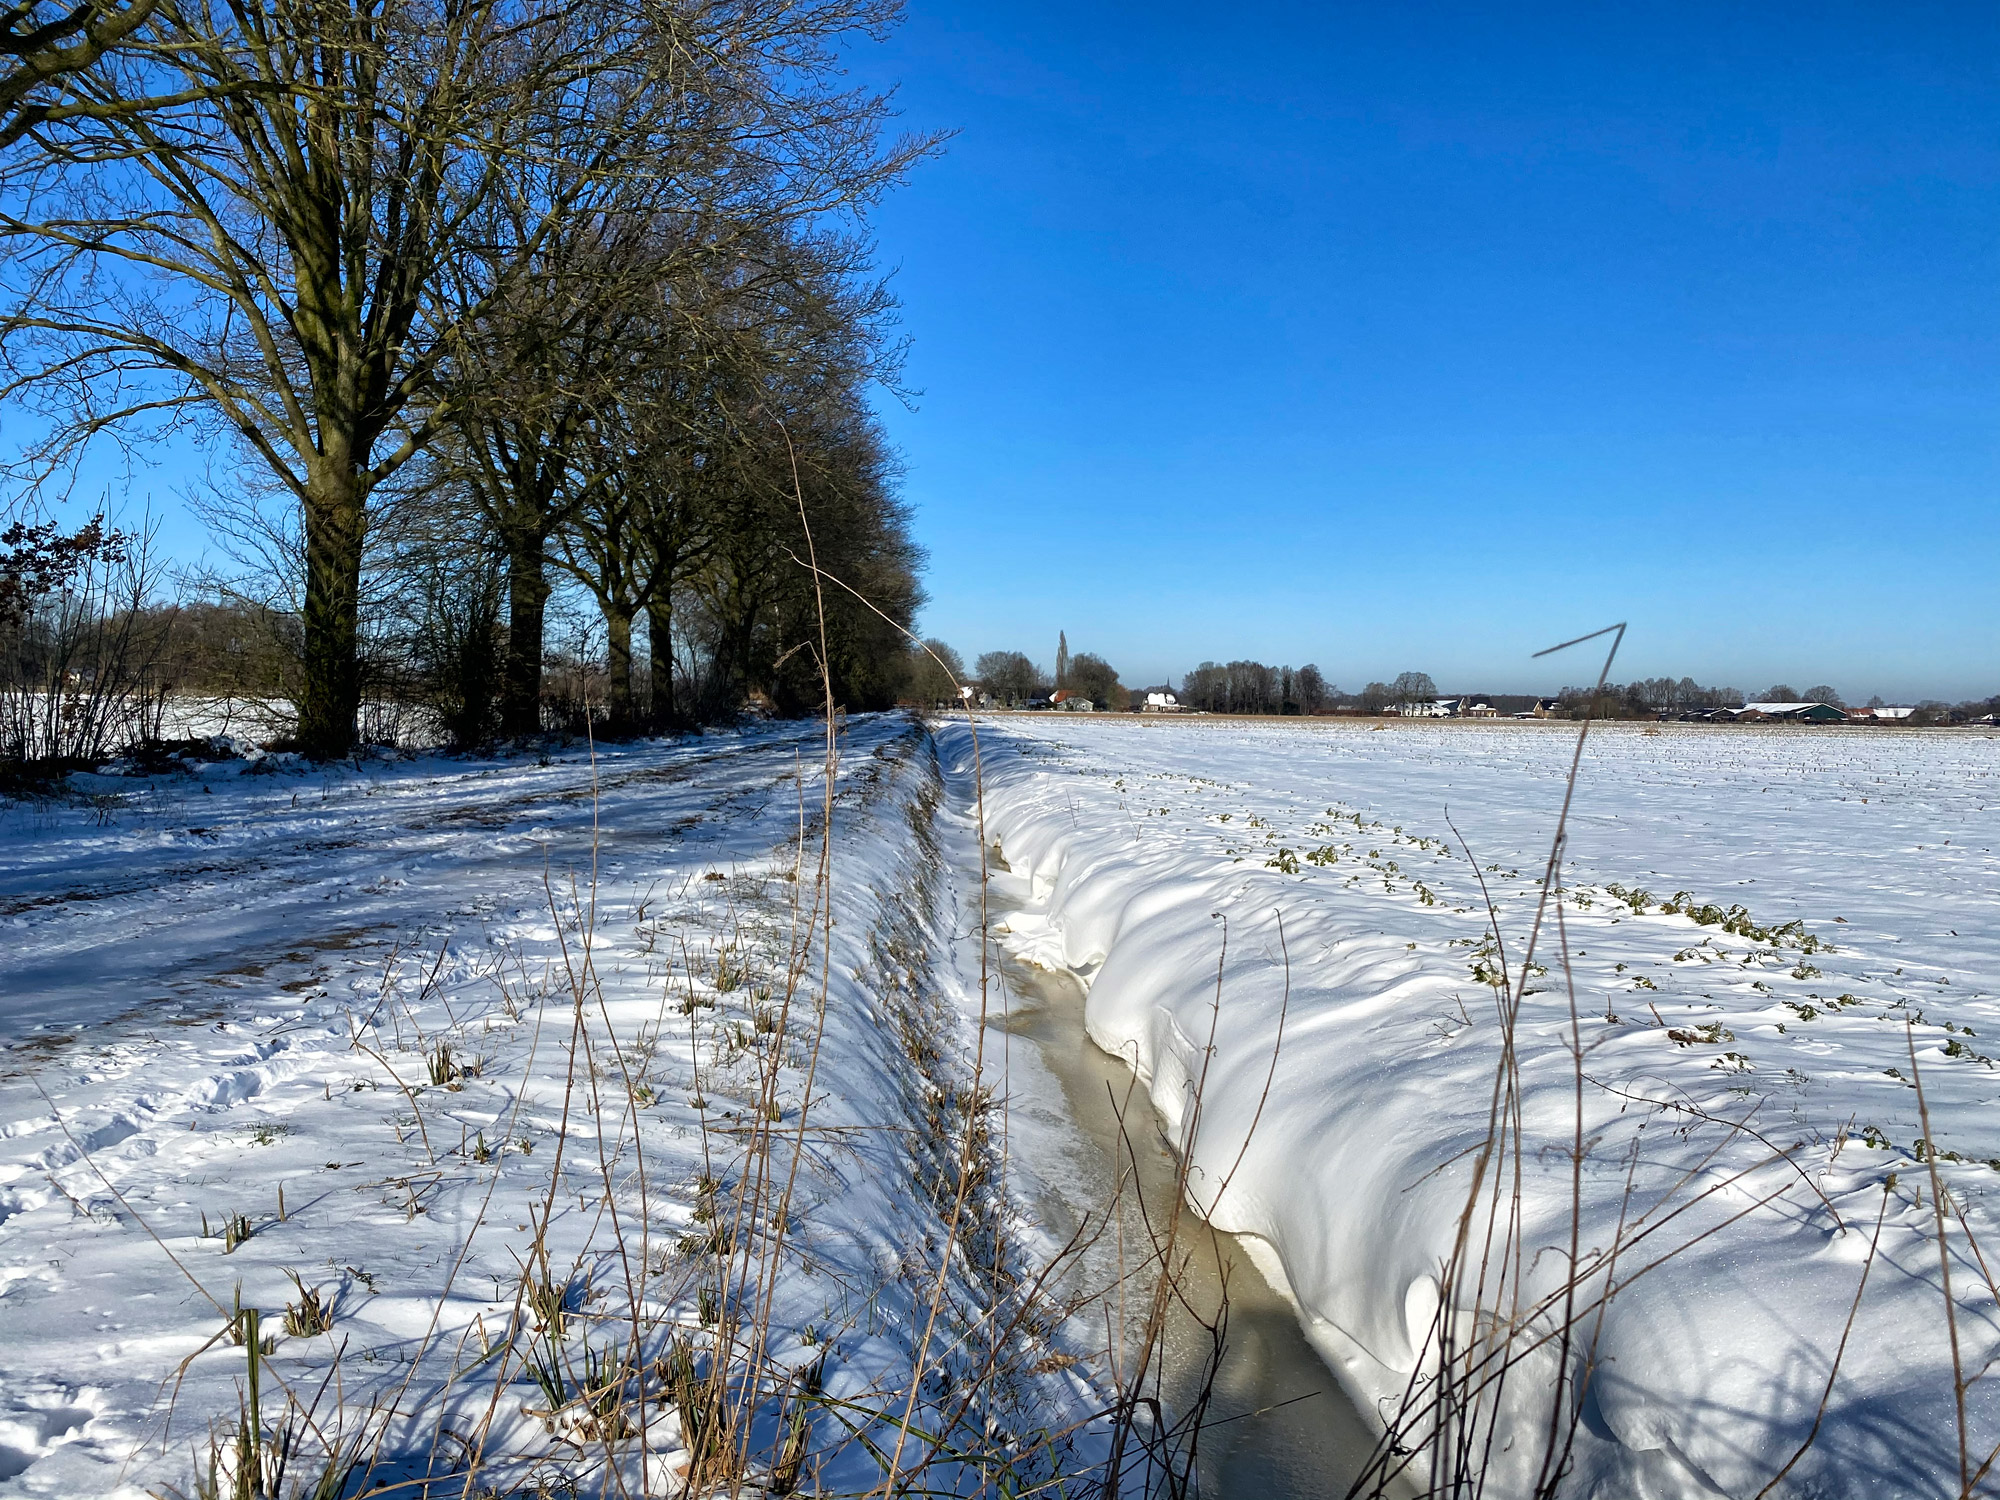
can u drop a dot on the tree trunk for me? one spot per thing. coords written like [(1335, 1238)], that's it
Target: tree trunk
[(733, 677), (330, 696), (618, 666), (663, 715), (527, 603)]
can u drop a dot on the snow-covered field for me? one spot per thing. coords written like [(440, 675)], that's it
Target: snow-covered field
[(1747, 1101), (237, 981), (426, 1034)]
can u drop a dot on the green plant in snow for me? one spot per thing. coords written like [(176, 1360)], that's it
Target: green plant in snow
[(446, 1067), (1712, 1034), (1638, 900), (1738, 921)]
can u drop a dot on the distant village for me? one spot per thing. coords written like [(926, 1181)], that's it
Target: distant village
[(1164, 701), (1087, 683)]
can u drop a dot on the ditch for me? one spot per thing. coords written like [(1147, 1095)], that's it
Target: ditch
[(1279, 1425)]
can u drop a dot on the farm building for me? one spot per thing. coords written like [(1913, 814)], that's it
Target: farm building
[(1799, 713)]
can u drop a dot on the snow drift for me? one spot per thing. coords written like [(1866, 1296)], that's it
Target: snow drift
[(1746, 1101)]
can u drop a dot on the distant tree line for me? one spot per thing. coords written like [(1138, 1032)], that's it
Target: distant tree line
[(1646, 698), (1780, 693), (1250, 687), (1652, 697), (1012, 678)]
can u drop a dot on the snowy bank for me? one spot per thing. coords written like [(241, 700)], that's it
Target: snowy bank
[(479, 1052), (1747, 1104)]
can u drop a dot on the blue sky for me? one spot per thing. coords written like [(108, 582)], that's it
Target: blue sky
[(1422, 336)]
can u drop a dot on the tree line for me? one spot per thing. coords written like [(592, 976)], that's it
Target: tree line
[(1250, 687), (1011, 679), (1651, 697), (936, 673), (472, 302)]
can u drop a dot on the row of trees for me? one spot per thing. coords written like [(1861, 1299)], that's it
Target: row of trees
[(1649, 698), (472, 298), (1011, 678), (1780, 693), (935, 673), (1250, 687)]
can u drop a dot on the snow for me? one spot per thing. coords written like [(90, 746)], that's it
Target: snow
[(223, 996), (1747, 1102), (229, 981)]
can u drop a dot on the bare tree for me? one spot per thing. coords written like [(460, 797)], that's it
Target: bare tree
[(1312, 689), (1413, 687), (82, 644), (1010, 676), (1092, 677), (46, 43), (931, 683), (753, 407), (269, 256), (261, 258), (522, 391), (677, 530), (1240, 687), (1207, 688), (656, 319), (439, 628), (601, 550)]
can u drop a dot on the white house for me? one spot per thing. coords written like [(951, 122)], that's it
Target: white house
[(1162, 703)]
